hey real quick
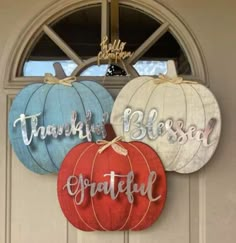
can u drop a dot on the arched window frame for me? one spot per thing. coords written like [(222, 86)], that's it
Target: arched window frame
[(41, 24)]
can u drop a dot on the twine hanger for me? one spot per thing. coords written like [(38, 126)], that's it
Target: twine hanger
[(115, 146), (60, 77), (50, 79), (171, 76), (176, 80)]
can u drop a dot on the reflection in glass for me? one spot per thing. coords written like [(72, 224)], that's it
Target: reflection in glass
[(143, 67), (152, 68), (39, 68)]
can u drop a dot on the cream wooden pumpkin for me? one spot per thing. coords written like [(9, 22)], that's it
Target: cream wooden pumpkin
[(181, 121)]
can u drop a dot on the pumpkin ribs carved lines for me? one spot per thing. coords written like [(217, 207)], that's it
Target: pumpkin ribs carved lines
[(74, 201), (86, 161), (37, 163), (92, 202), (169, 166), (43, 118), (192, 104), (199, 146), (95, 95), (82, 103), (148, 207)]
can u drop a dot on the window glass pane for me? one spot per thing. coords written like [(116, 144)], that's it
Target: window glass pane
[(143, 67), (135, 27), (103, 70), (80, 30), (151, 67), (39, 68), (68, 66), (95, 70), (168, 48)]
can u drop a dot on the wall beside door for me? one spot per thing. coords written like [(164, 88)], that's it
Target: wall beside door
[(201, 208)]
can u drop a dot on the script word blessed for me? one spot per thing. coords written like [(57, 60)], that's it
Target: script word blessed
[(174, 129), (77, 185)]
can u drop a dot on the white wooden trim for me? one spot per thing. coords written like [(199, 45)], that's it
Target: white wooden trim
[(4, 202), (149, 43), (109, 82), (8, 178), (62, 45), (58, 9), (114, 10), (105, 19)]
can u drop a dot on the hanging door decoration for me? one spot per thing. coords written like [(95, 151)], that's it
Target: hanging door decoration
[(179, 119), (47, 119), (112, 186)]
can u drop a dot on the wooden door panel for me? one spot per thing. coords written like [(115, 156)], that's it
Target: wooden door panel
[(99, 236), (35, 212), (173, 224), (3, 142)]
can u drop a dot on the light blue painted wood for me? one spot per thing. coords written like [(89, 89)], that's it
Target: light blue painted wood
[(56, 103)]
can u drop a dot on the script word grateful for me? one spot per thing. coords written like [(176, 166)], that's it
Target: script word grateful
[(77, 185)]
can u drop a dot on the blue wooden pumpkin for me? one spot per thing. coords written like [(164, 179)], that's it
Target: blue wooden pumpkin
[(55, 103)]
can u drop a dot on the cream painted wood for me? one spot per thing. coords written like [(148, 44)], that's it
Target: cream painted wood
[(208, 196), (193, 104)]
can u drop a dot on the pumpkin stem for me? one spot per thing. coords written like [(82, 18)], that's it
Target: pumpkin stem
[(59, 71)]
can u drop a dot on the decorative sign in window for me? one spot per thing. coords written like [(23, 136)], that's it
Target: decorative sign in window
[(112, 51)]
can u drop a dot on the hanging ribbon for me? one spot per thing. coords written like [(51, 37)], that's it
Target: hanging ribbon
[(50, 79), (116, 147), (178, 80)]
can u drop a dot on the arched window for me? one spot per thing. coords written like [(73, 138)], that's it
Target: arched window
[(72, 37)]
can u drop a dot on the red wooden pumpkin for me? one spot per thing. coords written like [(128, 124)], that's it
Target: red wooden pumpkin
[(112, 186)]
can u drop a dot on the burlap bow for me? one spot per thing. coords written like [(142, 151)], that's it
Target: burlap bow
[(178, 80), (116, 147), (50, 79)]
